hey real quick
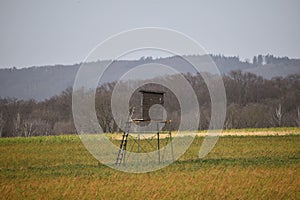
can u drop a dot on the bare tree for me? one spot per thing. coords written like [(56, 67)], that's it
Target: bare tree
[(17, 125), (104, 115), (28, 127), (277, 116), (63, 127), (231, 116), (2, 123), (298, 116)]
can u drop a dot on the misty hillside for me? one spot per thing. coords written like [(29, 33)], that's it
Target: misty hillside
[(46, 81)]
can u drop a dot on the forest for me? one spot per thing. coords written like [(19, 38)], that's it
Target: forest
[(252, 102)]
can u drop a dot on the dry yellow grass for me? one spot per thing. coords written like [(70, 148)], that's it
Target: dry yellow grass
[(247, 167), (215, 183)]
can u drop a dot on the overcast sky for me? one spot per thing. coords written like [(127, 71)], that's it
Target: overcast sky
[(34, 33)]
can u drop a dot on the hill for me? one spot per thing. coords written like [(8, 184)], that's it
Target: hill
[(46, 81)]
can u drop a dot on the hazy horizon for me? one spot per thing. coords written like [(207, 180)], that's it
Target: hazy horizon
[(130, 58), (35, 33)]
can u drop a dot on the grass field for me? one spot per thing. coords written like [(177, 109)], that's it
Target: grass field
[(239, 167)]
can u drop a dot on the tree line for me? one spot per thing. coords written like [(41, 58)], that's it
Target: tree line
[(252, 102)]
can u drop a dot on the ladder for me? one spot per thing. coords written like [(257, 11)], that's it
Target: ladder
[(122, 149)]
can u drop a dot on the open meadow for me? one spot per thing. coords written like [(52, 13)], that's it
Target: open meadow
[(239, 167)]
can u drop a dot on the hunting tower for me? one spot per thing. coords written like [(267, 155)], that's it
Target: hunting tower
[(151, 125)]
